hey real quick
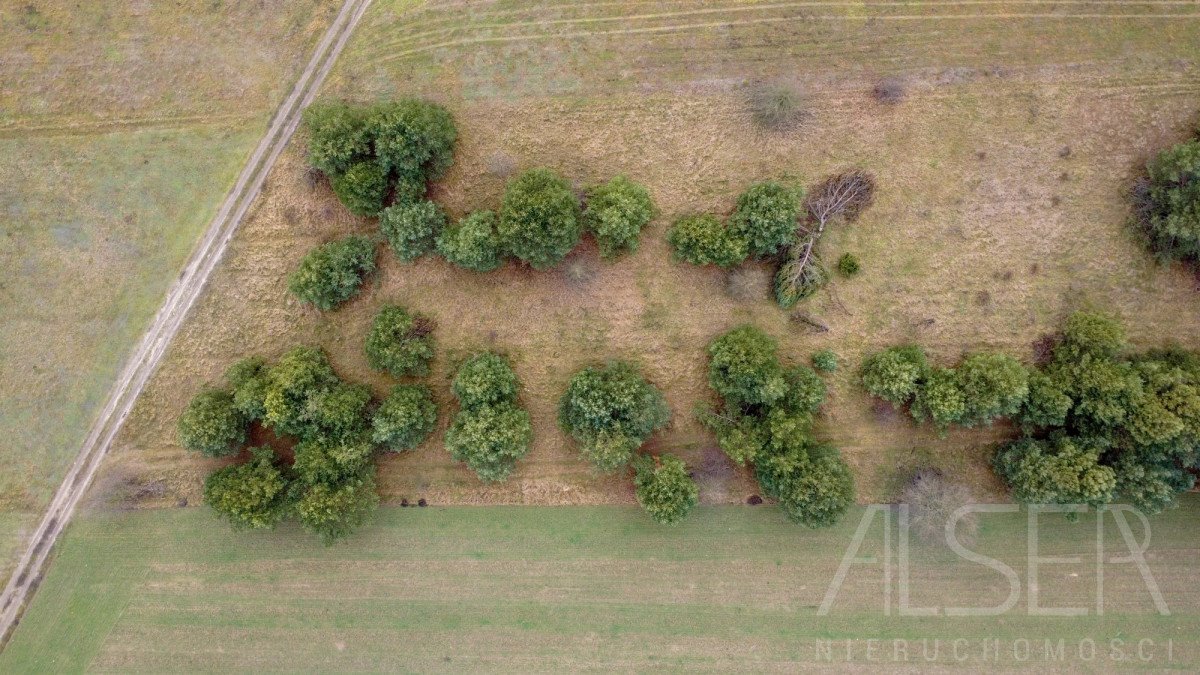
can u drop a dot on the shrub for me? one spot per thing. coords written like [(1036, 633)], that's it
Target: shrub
[(400, 342), (805, 390), (664, 488), (362, 188), (744, 369), (331, 274), (485, 379), (889, 90), (1093, 334), (338, 137), (825, 361), (940, 399), (1173, 222), (297, 377), (414, 140), (895, 374), (335, 511), (406, 417), (253, 495), (813, 486), (332, 461), (212, 424), (473, 243), (490, 439), (776, 108), (539, 218), (616, 213), (1046, 406), (248, 378), (748, 283), (412, 228), (740, 437), (766, 217), (337, 413), (993, 385), (703, 240), (610, 411), (848, 264), (932, 499), (1063, 470), (1151, 486)]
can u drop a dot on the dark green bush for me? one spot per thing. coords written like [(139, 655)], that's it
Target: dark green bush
[(406, 417), (332, 461), (895, 374), (1173, 217), (766, 217), (485, 379), (473, 243), (848, 264), (539, 218), (744, 369), (610, 411), (703, 240), (338, 413), (413, 140), (338, 137), (362, 188), (331, 274), (212, 424), (665, 488), (490, 438), (813, 485), (616, 213), (253, 495), (412, 228), (1047, 404), (1093, 334), (400, 342), (825, 361)]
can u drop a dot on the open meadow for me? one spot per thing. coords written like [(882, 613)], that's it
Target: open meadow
[(542, 589), (122, 126), (1001, 207)]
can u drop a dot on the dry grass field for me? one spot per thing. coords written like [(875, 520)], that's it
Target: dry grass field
[(1000, 209), (542, 589), (122, 125)]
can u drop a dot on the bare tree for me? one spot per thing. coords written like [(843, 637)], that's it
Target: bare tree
[(932, 499)]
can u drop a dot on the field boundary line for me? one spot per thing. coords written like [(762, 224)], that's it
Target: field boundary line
[(167, 321)]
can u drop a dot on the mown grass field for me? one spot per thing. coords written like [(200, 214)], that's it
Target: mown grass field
[(122, 125), (1001, 208), (580, 588)]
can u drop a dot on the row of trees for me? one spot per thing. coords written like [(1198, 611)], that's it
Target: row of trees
[(1098, 423), (766, 420), (775, 220)]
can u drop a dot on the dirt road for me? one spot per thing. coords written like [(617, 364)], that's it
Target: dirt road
[(170, 316)]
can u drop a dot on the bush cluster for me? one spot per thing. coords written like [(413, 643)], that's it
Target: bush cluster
[(332, 273), (610, 411), (1097, 424), (1170, 212), (766, 420), (763, 223), (370, 151), (491, 431), (331, 485)]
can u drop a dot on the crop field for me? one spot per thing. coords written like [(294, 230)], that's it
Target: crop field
[(581, 588), (122, 125), (1001, 208)]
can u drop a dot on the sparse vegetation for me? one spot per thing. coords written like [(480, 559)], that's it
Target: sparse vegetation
[(776, 107), (748, 283), (890, 91), (616, 213), (331, 274), (932, 500)]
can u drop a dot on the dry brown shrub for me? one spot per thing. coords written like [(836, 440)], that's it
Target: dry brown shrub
[(932, 499)]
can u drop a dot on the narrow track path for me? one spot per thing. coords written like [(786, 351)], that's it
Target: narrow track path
[(170, 316)]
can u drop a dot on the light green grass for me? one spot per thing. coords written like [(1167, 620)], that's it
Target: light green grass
[(556, 588)]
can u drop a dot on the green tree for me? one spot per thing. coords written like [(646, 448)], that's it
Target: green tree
[(766, 217), (665, 488), (744, 369), (412, 228), (362, 188), (331, 460), (413, 140), (1091, 334), (1174, 201), (400, 342), (895, 374), (253, 495), (940, 399), (473, 243), (490, 438), (539, 218), (1062, 470), (338, 412), (406, 417), (338, 137), (248, 378), (1047, 404), (484, 379), (331, 274), (335, 511), (1150, 485), (616, 213), (993, 385), (292, 382), (212, 424), (603, 405), (703, 240), (813, 485)]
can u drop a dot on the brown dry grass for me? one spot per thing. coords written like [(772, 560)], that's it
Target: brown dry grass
[(970, 202)]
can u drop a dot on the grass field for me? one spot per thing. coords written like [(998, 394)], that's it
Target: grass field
[(122, 125), (1000, 209), (579, 588)]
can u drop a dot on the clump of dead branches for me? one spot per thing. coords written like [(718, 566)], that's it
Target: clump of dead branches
[(842, 196)]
